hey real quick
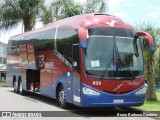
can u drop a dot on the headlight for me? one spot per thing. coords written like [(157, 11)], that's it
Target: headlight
[(142, 91), (88, 91)]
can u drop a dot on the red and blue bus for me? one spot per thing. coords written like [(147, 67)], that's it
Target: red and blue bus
[(90, 60)]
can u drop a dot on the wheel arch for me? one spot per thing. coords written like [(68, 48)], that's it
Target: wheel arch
[(59, 84)]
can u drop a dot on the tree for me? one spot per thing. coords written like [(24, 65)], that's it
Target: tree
[(95, 6), (149, 60), (12, 12), (60, 9)]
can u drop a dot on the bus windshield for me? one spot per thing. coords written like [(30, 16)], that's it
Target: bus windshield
[(113, 53)]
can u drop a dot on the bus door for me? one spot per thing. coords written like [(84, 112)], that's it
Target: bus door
[(76, 74), (33, 74)]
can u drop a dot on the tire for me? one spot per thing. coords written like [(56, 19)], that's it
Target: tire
[(20, 86), (15, 87), (61, 98)]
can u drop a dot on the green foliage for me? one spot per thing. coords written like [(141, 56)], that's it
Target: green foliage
[(60, 9), (3, 84), (151, 59), (95, 6), (12, 12)]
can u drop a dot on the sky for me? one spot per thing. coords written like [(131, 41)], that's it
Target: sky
[(136, 11), (131, 11)]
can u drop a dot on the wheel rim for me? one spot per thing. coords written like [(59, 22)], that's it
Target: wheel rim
[(61, 96), (20, 87), (15, 86)]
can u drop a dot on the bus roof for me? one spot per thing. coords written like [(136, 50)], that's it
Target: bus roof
[(82, 21)]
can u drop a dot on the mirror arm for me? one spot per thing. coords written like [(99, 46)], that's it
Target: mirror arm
[(149, 39)]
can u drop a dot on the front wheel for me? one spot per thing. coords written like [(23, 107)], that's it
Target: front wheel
[(61, 98)]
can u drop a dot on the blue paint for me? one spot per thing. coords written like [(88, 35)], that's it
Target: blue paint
[(102, 100), (151, 48), (64, 79), (13, 71), (106, 99), (83, 44)]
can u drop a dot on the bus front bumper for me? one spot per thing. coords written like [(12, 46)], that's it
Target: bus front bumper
[(103, 99)]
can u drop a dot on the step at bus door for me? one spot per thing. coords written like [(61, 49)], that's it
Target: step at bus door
[(76, 75)]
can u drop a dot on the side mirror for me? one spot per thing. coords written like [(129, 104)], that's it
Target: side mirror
[(149, 39)]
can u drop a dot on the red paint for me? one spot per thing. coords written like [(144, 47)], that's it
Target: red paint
[(80, 23)]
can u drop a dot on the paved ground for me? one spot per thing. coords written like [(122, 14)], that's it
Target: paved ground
[(10, 101)]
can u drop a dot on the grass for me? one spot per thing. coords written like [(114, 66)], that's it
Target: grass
[(151, 105), (3, 84)]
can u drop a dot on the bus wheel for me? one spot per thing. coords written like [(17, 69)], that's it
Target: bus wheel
[(21, 91), (61, 98), (15, 86)]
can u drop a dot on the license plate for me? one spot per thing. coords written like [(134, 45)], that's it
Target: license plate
[(118, 101)]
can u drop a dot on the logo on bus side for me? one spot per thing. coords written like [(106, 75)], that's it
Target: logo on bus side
[(112, 23), (40, 61)]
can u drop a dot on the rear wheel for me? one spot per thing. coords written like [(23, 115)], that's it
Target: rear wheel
[(15, 86), (61, 98), (21, 91)]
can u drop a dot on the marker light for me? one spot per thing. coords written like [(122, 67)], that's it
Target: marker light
[(87, 33), (88, 91)]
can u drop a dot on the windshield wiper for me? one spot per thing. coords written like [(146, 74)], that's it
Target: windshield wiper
[(105, 70)]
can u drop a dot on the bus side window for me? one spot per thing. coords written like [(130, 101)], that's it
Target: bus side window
[(75, 57), (65, 39), (13, 46), (48, 40)]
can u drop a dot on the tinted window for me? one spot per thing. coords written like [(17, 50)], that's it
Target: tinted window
[(75, 57), (65, 39), (13, 46), (111, 32), (34, 39), (43, 41), (114, 54), (48, 40)]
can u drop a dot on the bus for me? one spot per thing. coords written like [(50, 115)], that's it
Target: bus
[(89, 60)]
